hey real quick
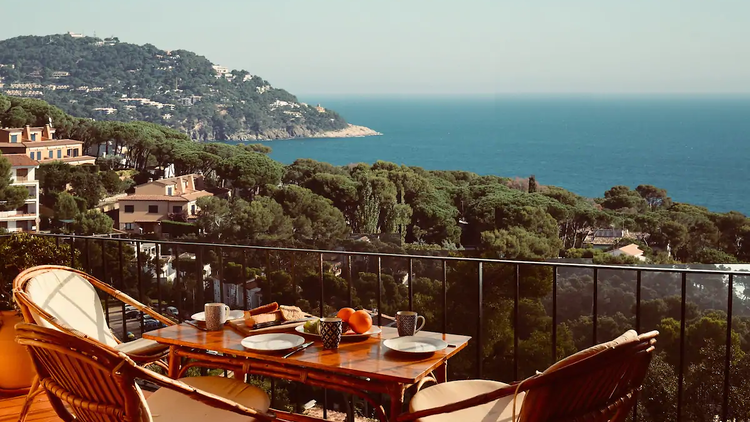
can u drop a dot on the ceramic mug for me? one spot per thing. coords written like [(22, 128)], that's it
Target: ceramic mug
[(406, 322), (330, 331), (216, 315)]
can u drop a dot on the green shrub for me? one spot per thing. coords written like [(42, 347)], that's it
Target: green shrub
[(20, 251)]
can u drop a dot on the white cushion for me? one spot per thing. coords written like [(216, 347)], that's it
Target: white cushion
[(455, 391), (71, 299), (168, 405), (141, 347)]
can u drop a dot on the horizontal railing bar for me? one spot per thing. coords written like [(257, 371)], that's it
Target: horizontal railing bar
[(423, 257)]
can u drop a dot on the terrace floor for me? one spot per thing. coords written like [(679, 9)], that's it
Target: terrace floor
[(41, 411)]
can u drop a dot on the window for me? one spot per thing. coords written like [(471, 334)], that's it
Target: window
[(51, 154), (129, 226), (68, 153), (176, 209), (75, 153), (192, 210), (153, 209), (13, 139), (33, 136), (129, 209), (59, 153), (170, 190), (39, 155)]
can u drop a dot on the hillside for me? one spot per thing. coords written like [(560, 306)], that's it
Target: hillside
[(106, 79)]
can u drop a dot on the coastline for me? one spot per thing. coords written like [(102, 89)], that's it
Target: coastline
[(352, 131)]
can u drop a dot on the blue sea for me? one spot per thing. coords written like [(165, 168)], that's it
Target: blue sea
[(695, 147)]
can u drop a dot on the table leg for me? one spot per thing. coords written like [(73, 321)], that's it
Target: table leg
[(397, 401), (174, 363), (441, 373)]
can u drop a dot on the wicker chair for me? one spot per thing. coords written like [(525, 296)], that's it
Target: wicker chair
[(598, 384), (88, 381), (66, 299)]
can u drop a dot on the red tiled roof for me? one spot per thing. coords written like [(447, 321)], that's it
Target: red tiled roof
[(153, 198), (20, 160), (632, 250), (197, 194)]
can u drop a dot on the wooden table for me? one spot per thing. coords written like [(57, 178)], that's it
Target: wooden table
[(354, 368)]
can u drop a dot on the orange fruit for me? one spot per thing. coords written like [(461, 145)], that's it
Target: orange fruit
[(360, 321), (345, 314)]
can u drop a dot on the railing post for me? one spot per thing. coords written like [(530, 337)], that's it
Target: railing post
[(293, 264), (554, 314), (104, 279), (201, 281), (596, 304), (411, 284), (728, 357), (122, 286), (268, 276), (637, 327), (349, 280), (680, 380), (72, 252), (87, 244), (380, 292), (516, 316), (243, 279), (480, 312), (157, 249), (221, 275), (322, 287), (178, 281), (445, 297), (139, 269)]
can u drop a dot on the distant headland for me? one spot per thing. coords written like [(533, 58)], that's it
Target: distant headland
[(105, 79)]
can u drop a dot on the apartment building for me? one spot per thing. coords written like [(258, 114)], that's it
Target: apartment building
[(153, 202), (38, 143), (23, 173)]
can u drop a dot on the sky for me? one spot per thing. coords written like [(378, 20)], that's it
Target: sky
[(432, 47)]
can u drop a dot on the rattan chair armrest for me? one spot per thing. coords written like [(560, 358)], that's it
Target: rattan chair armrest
[(201, 396), (463, 404)]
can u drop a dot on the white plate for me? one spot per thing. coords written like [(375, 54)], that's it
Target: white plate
[(272, 342), (415, 344), (236, 314), (352, 335)]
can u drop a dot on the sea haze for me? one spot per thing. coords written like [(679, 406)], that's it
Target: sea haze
[(695, 147)]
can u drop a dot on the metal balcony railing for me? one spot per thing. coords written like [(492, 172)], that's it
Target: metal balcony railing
[(204, 268)]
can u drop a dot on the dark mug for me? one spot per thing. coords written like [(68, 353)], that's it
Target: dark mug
[(330, 331), (406, 322)]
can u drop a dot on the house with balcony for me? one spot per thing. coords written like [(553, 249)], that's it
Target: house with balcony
[(164, 199), (23, 173), (39, 143)]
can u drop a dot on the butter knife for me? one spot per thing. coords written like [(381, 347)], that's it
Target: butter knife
[(298, 348), (194, 325)]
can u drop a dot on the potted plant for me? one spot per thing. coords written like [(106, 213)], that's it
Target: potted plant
[(18, 252)]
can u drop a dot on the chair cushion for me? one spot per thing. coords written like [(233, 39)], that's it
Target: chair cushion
[(71, 299), (141, 347), (454, 391), (168, 405)]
